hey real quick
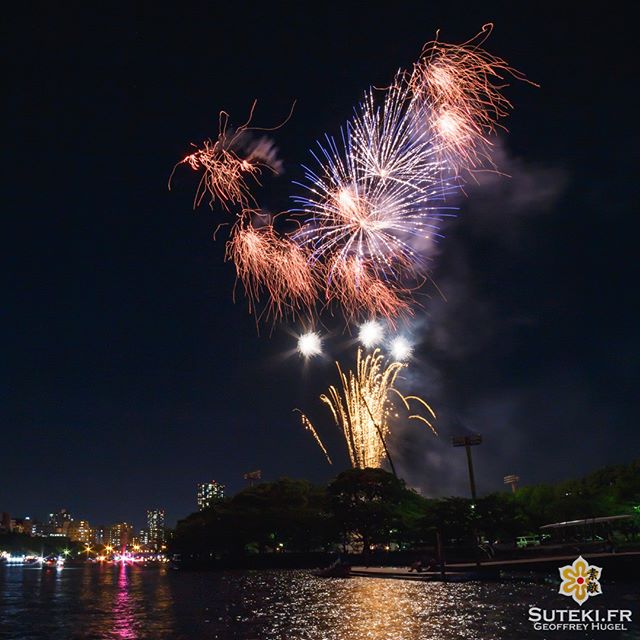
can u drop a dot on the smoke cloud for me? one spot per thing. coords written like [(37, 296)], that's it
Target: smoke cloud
[(470, 335)]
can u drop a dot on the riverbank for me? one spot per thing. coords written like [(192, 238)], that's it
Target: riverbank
[(617, 566), (456, 559)]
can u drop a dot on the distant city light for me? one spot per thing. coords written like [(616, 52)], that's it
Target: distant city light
[(10, 558), (310, 344), (401, 349), (371, 334)]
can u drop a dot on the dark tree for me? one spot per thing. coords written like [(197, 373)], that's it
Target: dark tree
[(372, 507)]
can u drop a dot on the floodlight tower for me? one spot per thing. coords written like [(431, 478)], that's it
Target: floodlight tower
[(467, 442), (513, 481)]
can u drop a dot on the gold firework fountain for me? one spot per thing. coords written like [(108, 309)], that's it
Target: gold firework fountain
[(362, 408)]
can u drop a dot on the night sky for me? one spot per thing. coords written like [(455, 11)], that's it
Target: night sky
[(130, 372)]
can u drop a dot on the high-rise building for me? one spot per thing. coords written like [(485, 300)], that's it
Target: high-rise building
[(59, 522), (39, 529), (209, 493), (144, 537), (5, 522), (155, 528), (101, 534), (80, 531), (22, 525), (120, 535)]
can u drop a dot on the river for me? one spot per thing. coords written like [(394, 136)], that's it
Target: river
[(136, 603)]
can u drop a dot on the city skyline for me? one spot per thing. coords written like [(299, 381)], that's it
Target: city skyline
[(61, 521)]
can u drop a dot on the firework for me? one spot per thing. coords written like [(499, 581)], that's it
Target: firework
[(360, 293), (363, 405), (306, 423), (373, 203), (309, 344), (401, 349), (376, 190), (405, 401), (459, 89), (231, 162), (374, 199), (267, 262), (371, 333)]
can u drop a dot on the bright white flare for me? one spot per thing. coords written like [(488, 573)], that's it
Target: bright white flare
[(371, 334), (310, 344), (401, 349)]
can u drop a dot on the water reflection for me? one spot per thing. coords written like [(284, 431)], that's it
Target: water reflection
[(296, 606), (124, 609), (135, 603), (89, 602)]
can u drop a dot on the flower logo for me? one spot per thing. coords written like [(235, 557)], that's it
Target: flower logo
[(580, 580)]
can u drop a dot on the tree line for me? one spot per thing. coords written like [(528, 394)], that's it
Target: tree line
[(370, 509)]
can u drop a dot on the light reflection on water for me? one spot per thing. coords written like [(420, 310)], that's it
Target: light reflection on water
[(134, 603), (124, 608)]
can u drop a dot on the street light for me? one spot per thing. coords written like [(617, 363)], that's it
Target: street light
[(467, 442)]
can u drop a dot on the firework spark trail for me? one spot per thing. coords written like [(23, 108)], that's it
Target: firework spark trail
[(265, 261), (250, 250), (231, 162), (459, 88), (306, 423), (391, 145), (405, 401), (361, 294), (362, 407)]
